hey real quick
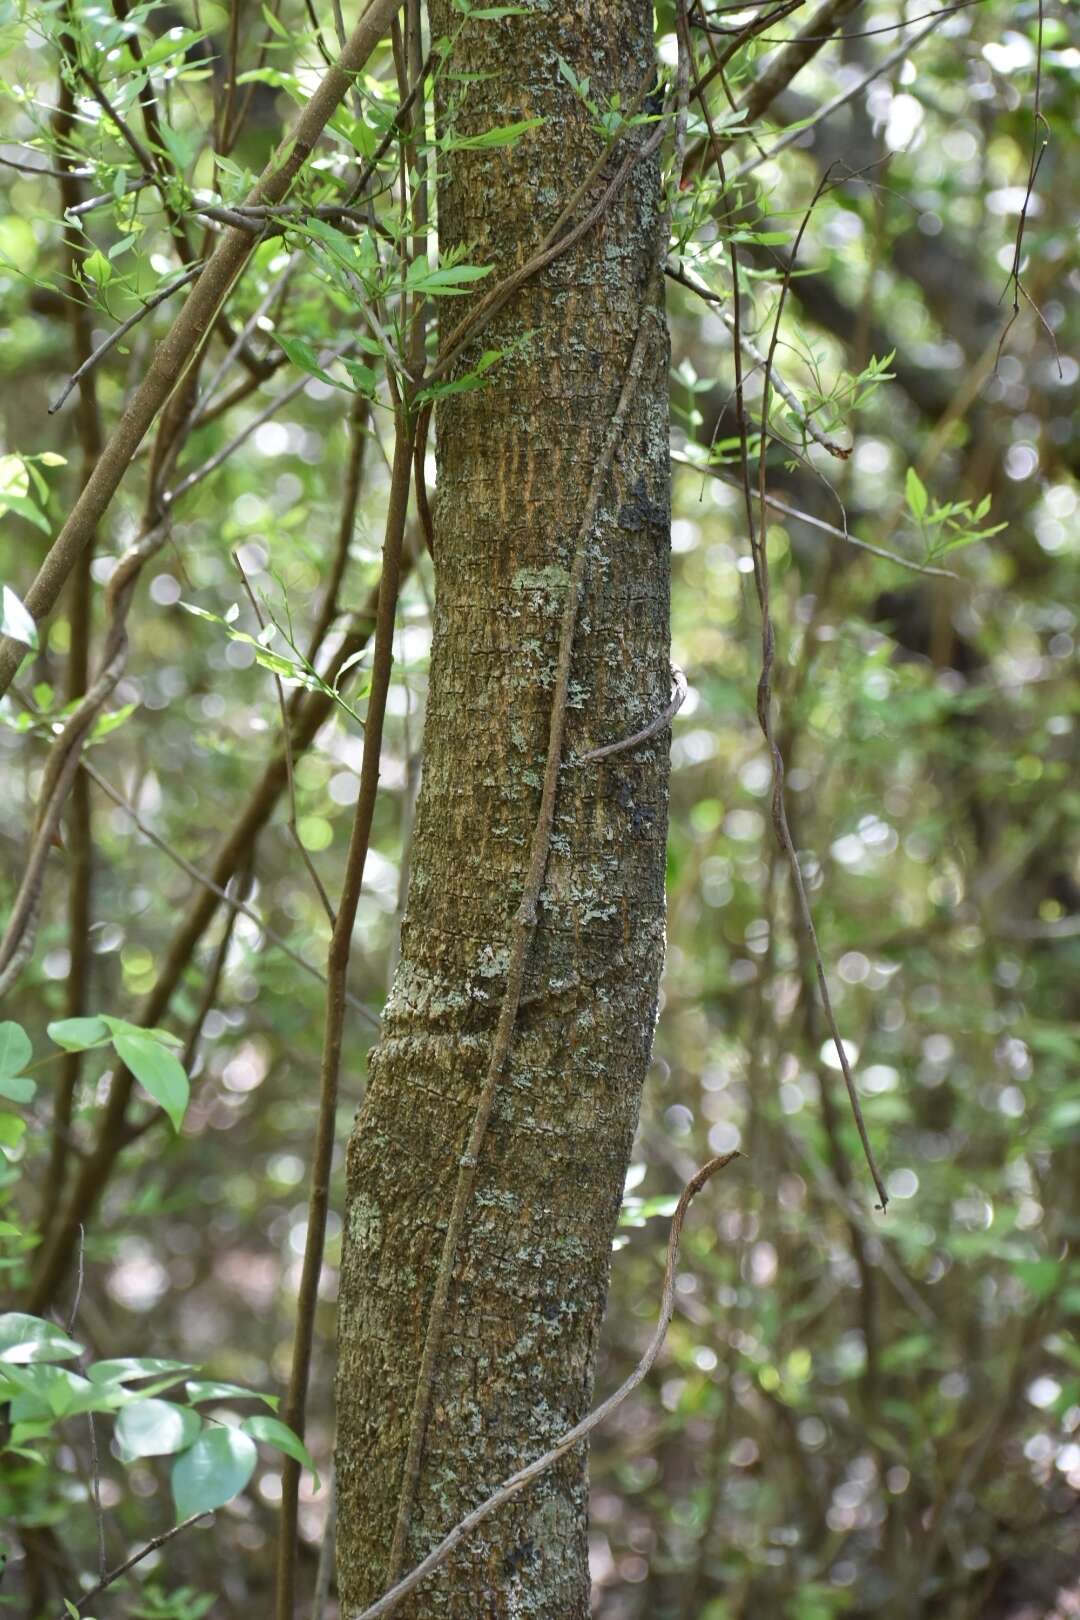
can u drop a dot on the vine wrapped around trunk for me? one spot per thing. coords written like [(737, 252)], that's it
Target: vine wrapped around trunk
[(515, 462)]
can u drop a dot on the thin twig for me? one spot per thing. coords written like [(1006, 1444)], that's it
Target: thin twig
[(121, 332), (115, 1573), (898, 55), (757, 535), (95, 1461), (573, 1437), (655, 725), (819, 523), (286, 741), (682, 90), (840, 451), (233, 854), (49, 173), (222, 894), (324, 1572), (336, 969), (251, 325), (79, 828), (212, 463)]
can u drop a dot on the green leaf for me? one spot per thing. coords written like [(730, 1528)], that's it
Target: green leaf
[(125, 1368), (15, 1048), (177, 41), (302, 355), (209, 1390), (273, 23), (158, 1071), (52, 1392), (15, 620), (336, 242), (24, 506), (108, 723), (214, 1470), (120, 1026), (156, 1428), (98, 268), (12, 1130), (272, 1432), (17, 1089), (503, 135), (28, 1338), (1039, 1277), (78, 1034), (917, 497), (447, 278)]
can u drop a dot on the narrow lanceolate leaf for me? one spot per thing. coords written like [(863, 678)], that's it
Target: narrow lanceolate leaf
[(504, 135), (303, 355), (272, 1432), (15, 620), (126, 1368), (917, 498), (15, 1048), (209, 1390), (212, 1471), (28, 1338), (78, 1034), (156, 1428), (158, 1071)]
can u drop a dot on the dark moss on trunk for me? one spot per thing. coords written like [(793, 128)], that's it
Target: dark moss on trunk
[(514, 461)]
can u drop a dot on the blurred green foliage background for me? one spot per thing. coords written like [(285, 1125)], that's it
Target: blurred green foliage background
[(855, 1413)]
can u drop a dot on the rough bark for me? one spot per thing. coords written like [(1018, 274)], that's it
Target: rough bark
[(514, 462)]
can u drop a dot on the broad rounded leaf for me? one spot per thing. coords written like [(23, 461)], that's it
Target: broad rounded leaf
[(17, 1088), (272, 1432), (156, 1428), (158, 1071), (28, 1338), (15, 1049), (213, 1471), (77, 1034)]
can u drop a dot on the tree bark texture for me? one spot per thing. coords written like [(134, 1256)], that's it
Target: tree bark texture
[(514, 461)]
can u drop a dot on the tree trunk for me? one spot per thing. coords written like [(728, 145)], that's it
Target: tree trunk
[(514, 462)]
